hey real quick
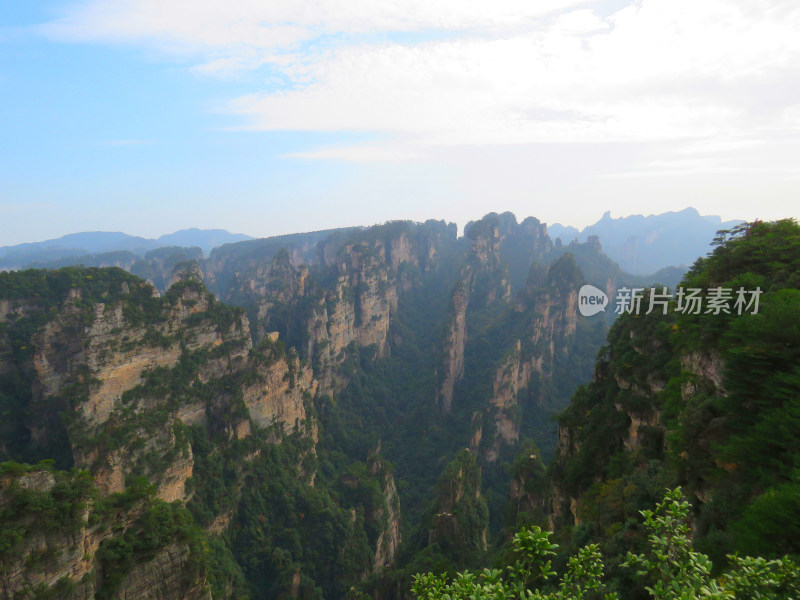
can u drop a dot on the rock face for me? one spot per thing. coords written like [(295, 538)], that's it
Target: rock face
[(163, 578), (276, 398), (486, 273), (121, 365), (550, 317), (114, 356), (75, 543), (483, 281), (66, 554), (707, 367), (356, 309), (117, 383), (460, 522), (634, 424), (511, 376), (388, 515), (633, 394), (499, 239), (454, 344), (345, 295)]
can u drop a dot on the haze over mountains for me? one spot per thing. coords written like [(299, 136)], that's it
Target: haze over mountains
[(640, 245), (95, 242)]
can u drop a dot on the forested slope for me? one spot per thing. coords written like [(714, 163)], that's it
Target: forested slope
[(708, 399)]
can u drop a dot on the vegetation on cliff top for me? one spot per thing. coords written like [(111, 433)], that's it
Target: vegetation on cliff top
[(708, 401), (670, 569)]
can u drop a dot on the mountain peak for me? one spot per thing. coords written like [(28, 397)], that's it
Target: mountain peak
[(644, 244)]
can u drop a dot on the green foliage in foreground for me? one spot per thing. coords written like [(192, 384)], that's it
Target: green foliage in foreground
[(670, 570)]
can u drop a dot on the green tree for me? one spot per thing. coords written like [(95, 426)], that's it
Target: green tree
[(670, 570)]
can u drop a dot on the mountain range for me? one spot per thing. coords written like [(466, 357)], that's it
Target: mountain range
[(96, 242), (644, 245), (326, 414), (640, 245)]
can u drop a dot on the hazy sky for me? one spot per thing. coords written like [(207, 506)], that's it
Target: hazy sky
[(272, 116)]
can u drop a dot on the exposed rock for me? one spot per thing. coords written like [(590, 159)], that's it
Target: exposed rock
[(460, 522), (707, 365), (454, 343), (96, 363), (164, 577), (45, 558), (278, 398), (511, 376), (356, 310), (66, 550), (402, 250), (388, 514)]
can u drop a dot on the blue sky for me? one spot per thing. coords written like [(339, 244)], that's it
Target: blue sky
[(267, 118)]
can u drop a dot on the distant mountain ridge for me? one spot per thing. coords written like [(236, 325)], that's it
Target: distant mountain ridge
[(94, 242), (642, 245), (207, 239)]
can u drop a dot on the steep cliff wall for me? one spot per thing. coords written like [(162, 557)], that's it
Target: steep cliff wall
[(118, 383), (356, 309), (631, 416), (698, 399), (348, 294), (454, 344), (486, 273), (386, 515), (524, 379), (483, 281), (460, 521), (59, 538), (132, 373), (280, 392)]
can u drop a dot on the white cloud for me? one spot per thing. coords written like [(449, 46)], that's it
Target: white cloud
[(579, 21), (509, 71)]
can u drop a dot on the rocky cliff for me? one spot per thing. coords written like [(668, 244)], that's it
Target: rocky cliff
[(125, 362), (460, 521), (59, 538), (387, 514), (687, 399), (347, 294), (535, 339), (111, 377), (454, 345)]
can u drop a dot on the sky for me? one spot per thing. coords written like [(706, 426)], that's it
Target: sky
[(267, 117)]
